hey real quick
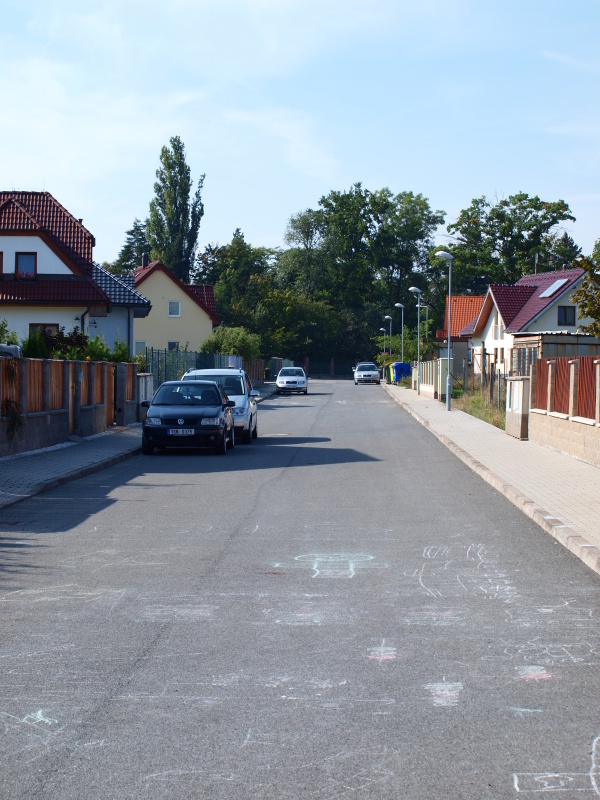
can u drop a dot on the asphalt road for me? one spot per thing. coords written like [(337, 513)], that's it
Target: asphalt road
[(339, 610)]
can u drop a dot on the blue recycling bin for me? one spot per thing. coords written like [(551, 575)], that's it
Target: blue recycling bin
[(400, 369)]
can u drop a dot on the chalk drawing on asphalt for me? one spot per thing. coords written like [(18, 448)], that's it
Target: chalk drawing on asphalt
[(445, 694), (565, 782)]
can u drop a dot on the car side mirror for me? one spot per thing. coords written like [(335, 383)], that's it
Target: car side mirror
[(254, 393), (229, 404), (145, 404)]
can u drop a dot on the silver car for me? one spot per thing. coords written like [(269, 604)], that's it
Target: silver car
[(366, 372), (291, 379), (236, 385)]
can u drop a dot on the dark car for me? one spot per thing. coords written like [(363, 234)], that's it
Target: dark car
[(188, 414)]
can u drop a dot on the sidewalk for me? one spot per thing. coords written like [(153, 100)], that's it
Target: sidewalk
[(559, 492), (28, 474)]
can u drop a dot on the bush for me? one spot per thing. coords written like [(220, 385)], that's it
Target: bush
[(6, 336), (98, 350)]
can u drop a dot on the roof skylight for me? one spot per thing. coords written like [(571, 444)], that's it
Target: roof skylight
[(554, 287)]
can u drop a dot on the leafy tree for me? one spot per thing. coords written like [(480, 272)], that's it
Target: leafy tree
[(230, 269), (588, 297), (135, 247), (174, 221), (233, 341), (497, 242), (596, 254)]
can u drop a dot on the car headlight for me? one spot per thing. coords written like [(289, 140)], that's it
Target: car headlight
[(212, 421), (152, 421), (239, 412)]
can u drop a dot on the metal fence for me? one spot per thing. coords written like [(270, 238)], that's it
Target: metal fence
[(170, 365)]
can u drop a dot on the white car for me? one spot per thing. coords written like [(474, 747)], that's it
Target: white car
[(291, 379), (236, 385), (366, 372)]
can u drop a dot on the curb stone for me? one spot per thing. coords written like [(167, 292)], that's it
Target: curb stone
[(563, 534)]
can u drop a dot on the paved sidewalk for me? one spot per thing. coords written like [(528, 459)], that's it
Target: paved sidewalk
[(28, 474), (559, 492)]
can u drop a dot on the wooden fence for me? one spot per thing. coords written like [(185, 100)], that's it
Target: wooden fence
[(573, 385)]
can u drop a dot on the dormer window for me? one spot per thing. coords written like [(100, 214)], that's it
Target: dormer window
[(25, 266)]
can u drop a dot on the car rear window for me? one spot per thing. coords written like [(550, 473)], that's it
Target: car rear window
[(367, 368), (232, 385)]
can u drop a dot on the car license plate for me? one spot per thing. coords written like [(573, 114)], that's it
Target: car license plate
[(180, 431)]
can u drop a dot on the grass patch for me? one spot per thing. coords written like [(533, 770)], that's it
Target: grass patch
[(478, 405)]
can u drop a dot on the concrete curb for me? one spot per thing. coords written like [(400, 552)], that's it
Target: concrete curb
[(53, 483), (576, 544)]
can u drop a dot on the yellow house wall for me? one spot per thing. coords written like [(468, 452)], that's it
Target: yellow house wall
[(158, 328)]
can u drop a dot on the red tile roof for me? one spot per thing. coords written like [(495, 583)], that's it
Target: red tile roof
[(519, 305), (510, 300), (201, 294), (39, 213), (73, 291), (204, 292), (465, 309), (536, 304)]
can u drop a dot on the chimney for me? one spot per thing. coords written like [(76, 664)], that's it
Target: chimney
[(145, 260)]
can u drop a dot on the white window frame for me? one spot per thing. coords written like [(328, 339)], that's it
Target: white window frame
[(178, 314)]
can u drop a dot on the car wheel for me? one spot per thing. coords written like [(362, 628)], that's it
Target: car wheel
[(277, 391), (255, 430), (221, 448), (306, 391), (147, 448), (247, 435), (231, 440)]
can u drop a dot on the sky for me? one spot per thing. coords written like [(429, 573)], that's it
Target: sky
[(279, 102)]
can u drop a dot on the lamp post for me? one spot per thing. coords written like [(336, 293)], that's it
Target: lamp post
[(418, 292), (387, 316), (449, 258), (399, 305), (383, 367)]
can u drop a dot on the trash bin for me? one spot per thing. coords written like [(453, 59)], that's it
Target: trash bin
[(400, 369)]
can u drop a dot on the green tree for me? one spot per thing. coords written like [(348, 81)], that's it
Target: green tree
[(497, 243), (587, 296), (233, 341), (135, 247), (173, 224), (230, 269), (595, 257), (562, 250)]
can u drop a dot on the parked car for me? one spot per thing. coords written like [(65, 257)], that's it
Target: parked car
[(366, 372), (237, 386), (188, 414), (291, 379)]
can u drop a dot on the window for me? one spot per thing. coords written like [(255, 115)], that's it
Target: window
[(1, 254), (48, 327), (25, 266), (139, 347), (566, 315), (174, 308), (172, 345)]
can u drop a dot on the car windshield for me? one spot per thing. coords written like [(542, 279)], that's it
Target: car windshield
[(190, 395), (367, 367), (232, 385), (296, 372)]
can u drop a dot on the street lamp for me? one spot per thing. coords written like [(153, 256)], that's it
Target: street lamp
[(449, 258), (418, 292), (383, 367), (387, 316), (399, 305)]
